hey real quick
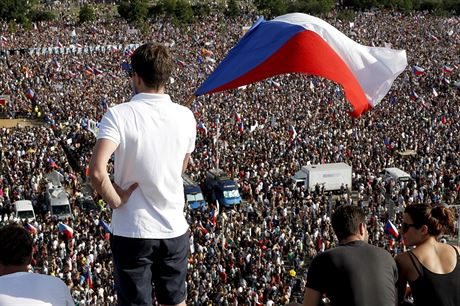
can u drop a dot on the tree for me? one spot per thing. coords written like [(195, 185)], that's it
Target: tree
[(201, 9), (233, 9), (183, 12), (15, 10), (271, 7), (39, 15), (315, 7), (86, 14), (133, 11)]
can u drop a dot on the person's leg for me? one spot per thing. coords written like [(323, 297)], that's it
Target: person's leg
[(132, 260), (170, 270)]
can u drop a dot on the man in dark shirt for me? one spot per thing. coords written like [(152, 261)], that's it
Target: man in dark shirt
[(354, 273)]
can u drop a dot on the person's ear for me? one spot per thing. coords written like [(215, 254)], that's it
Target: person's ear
[(424, 229), (362, 229)]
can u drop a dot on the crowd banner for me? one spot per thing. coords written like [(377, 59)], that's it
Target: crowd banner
[(71, 49)]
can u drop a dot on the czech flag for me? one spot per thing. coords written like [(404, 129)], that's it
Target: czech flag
[(447, 69), (391, 229), (30, 228), (418, 70), (202, 127), (67, 230), (105, 226), (97, 71), (292, 132), (413, 95), (305, 44), (30, 94)]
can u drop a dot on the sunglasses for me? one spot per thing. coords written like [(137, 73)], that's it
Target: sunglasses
[(405, 226)]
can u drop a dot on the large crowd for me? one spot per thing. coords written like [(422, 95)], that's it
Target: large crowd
[(257, 253)]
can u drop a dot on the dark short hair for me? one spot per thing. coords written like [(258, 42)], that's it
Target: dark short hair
[(15, 245), (153, 63), (346, 219), (438, 219)]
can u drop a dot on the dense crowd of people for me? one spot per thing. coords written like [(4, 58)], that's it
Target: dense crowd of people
[(257, 253)]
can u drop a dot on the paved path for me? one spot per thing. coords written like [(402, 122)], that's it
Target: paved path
[(19, 122)]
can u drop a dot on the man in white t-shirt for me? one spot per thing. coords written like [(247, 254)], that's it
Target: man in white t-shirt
[(19, 287), (152, 139)]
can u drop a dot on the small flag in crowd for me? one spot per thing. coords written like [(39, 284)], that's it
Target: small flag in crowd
[(447, 69), (88, 70), (391, 229), (435, 93), (300, 43), (292, 132), (181, 63), (105, 226), (30, 228), (56, 63), (129, 52), (3, 40), (237, 117), (97, 71), (30, 94), (413, 95), (66, 230), (241, 127), (202, 127), (418, 70), (2, 101), (59, 44)]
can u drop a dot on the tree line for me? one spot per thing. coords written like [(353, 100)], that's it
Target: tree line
[(184, 11)]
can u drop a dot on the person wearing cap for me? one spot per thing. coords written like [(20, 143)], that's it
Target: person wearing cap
[(19, 287), (152, 139)]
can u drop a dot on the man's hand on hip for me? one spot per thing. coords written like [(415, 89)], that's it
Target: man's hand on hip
[(124, 194)]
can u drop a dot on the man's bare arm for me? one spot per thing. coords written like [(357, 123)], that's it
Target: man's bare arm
[(111, 193)]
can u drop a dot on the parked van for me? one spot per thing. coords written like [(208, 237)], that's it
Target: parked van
[(396, 174), (220, 187), (58, 202), (24, 210), (192, 193)]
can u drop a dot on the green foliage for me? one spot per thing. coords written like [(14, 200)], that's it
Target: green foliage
[(201, 9), (180, 10), (133, 11), (233, 9), (40, 15), (271, 8), (346, 15), (183, 12), (314, 7), (15, 10), (360, 4), (86, 14)]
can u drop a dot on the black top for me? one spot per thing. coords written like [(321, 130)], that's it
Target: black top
[(355, 274), (435, 289)]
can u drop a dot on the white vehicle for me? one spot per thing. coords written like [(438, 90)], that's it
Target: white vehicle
[(331, 176), (58, 202), (396, 174), (24, 210)]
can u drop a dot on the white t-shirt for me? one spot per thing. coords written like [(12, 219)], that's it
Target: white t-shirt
[(153, 135), (32, 289)]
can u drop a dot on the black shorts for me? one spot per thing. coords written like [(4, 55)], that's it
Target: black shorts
[(139, 263)]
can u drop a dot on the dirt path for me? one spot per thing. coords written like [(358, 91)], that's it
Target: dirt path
[(19, 122)]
